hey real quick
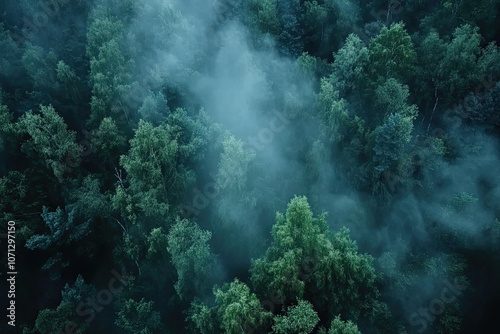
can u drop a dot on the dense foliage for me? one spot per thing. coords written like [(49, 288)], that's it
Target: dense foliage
[(260, 166)]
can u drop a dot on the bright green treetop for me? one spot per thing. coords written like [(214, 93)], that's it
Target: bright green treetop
[(299, 319)]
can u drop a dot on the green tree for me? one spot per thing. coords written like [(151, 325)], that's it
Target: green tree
[(345, 277), (154, 108), (454, 68), (5, 117), (62, 319), (312, 68), (431, 53), (63, 229), (447, 15), (102, 29), (152, 176), (108, 76), (10, 65), (69, 79), (326, 24), (239, 310), (489, 62), (40, 66), (197, 135), (392, 55), (77, 292), (109, 142), (7, 128), (138, 317), (333, 111), (236, 310), (290, 37), (296, 236), (232, 182), (343, 327), (306, 262), (451, 69), (108, 67), (458, 68), (233, 168), (13, 194), (147, 198), (299, 319), (202, 318), (264, 16), (191, 257), (348, 134), (88, 201), (392, 97), (318, 19), (391, 140), (350, 64), (49, 140)]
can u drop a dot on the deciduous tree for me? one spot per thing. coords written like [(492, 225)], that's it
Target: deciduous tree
[(48, 140), (299, 319), (191, 257), (305, 262), (138, 317), (392, 55)]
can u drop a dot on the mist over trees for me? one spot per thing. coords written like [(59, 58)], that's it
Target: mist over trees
[(260, 166)]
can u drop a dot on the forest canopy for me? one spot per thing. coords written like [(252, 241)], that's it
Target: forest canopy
[(244, 167)]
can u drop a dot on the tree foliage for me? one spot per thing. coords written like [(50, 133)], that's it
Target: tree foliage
[(152, 175), (191, 257), (48, 140), (299, 319), (63, 229), (306, 261), (138, 317), (392, 54)]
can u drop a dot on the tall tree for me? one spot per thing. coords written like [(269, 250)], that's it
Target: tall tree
[(299, 319), (233, 169), (138, 317), (41, 67), (7, 129), (264, 16), (319, 18), (349, 65), (236, 310), (71, 82), (63, 229), (152, 182), (109, 142), (154, 108), (62, 319), (290, 37), (340, 327), (391, 97), (49, 141), (391, 139), (108, 67), (458, 66), (392, 54), (305, 262), (191, 257)]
